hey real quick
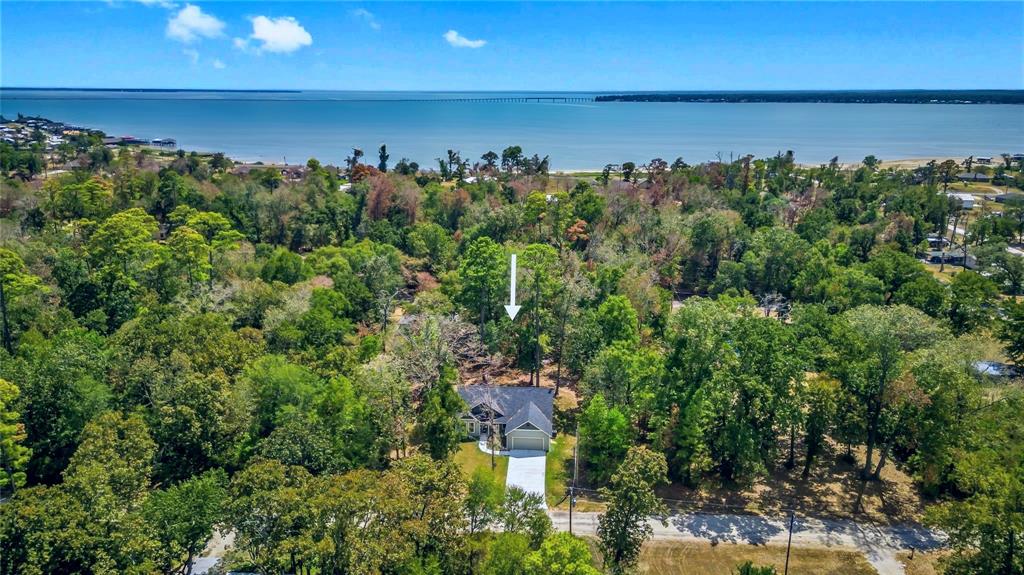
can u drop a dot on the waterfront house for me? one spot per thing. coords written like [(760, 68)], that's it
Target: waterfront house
[(520, 417)]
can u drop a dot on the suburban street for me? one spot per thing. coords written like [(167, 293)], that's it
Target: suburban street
[(878, 544)]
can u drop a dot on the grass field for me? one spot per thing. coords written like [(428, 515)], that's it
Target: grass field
[(469, 458), (558, 468), (686, 558)]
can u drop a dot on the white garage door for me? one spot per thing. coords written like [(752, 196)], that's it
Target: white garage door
[(535, 443)]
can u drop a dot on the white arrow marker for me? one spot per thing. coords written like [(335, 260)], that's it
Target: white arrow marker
[(512, 308)]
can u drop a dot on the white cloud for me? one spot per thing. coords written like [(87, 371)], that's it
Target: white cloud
[(161, 3), (192, 55), (218, 64), (460, 41), (283, 34), (367, 16), (191, 24)]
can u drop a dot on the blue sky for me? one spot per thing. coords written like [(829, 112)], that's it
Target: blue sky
[(512, 46)]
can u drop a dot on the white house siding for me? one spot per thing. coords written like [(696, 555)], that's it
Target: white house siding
[(527, 439)]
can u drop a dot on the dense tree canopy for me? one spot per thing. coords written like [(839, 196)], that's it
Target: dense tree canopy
[(190, 346)]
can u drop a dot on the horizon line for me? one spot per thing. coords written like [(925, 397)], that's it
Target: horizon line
[(623, 91)]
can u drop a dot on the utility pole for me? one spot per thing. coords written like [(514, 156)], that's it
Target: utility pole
[(575, 472), (789, 544)]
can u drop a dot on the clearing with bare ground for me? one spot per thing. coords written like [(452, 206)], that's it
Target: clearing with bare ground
[(690, 558)]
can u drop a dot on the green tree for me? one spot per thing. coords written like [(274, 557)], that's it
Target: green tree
[(285, 266), (267, 509), (14, 455), (626, 376), (124, 251), (541, 284), (618, 321), (190, 252), (482, 272), (926, 293), (438, 425), (605, 438), (774, 258), (821, 400), (219, 235), (874, 351), (183, 517), (985, 526), (895, 269), (277, 388), (748, 567), (523, 512), (483, 499), (63, 386), (14, 282), (1011, 331), (972, 301), (561, 554), (431, 241), (623, 527)]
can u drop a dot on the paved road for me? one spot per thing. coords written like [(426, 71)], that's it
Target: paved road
[(526, 471), (878, 544)]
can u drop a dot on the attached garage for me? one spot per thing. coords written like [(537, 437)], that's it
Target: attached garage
[(521, 439)]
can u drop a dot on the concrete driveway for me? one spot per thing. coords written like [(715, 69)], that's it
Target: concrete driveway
[(526, 471)]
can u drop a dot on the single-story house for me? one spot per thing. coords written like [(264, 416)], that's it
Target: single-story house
[(519, 416), (936, 242), (966, 200), (974, 177), (1010, 197)]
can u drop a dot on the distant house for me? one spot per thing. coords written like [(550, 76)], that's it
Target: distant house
[(289, 172), (520, 416), (974, 177), (952, 258), (993, 369), (983, 160), (937, 242), (1009, 197), (966, 201)]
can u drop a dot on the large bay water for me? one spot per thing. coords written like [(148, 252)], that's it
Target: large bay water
[(294, 126)]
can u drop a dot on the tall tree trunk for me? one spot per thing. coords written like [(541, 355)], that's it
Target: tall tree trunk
[(536, 327), (561, 347), (881, 461), (4, 325), (791, 462), (1008, 566), (808, 461)]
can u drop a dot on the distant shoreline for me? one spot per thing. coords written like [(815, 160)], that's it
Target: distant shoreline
[(966, 97), (959, 97)]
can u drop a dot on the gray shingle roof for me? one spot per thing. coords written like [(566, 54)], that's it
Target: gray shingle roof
[(517, 405), (531, 414)]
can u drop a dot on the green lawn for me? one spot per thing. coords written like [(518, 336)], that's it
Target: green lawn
[(469, 458), (558, 473)]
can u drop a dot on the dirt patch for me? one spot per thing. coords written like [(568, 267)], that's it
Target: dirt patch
[(693, 558), (425, 281), (830, 491), (922, 563)]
